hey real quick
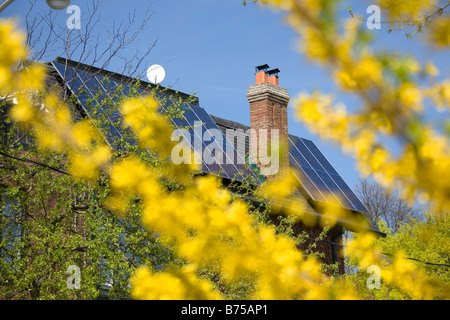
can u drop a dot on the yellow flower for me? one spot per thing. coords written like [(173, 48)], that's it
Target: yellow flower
[(439, 33), (86, 166), (282, 186), (173, 285), (5, 79), (127, 175), (47, 139), (332, 212), (153, 130), (13, 40), (31, 78), (84, 134), (379, 158), (431, 69), (364, 74), (314, 46), (117, 203), (407, 8), (22, 113), (411, 96), (440, 95)]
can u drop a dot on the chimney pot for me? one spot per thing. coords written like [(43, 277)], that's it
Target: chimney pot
[(260, 77), (273, 76), (261, 73)]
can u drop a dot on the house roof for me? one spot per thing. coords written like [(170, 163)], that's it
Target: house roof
[(300, 195), (80, 76), (117, 77)]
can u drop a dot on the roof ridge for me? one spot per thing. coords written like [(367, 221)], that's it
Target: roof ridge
[(119, 77), (226, 122)]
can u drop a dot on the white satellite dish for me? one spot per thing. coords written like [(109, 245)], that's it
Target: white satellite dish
[(58, 4), (156, 73)]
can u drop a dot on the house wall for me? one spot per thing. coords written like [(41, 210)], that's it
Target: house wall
[(324, 246)]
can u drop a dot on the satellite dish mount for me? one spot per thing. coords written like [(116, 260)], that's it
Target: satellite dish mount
[(156, 73)]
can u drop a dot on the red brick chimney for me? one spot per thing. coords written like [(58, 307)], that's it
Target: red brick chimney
[(268, 110)]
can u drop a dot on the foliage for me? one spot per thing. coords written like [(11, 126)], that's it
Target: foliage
[(425, 240), (422, 241), (50, 221), (385, 205)]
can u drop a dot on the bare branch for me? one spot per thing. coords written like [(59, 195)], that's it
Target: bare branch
[(46, 39), (385, 205)]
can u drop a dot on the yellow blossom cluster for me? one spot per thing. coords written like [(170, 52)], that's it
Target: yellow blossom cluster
[(392, 103), (206, 225), (440, 95), (440, 35), (49, 118), (179, 284), (416, 170), (402, 9), (141, 114), (54, 130)]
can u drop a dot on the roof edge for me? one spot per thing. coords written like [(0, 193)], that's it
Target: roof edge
[(122, 78)]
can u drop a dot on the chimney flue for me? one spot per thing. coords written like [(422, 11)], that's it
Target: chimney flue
[(268, 108), (273, 76), (261, 73)]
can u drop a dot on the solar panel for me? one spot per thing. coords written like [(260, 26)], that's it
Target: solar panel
[(318, 177), (92, 90), (223, 160)]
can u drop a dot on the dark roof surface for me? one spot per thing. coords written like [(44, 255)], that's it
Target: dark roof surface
[(225, 124)]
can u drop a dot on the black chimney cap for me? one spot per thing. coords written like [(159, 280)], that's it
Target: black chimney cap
[(273, 71), (262, 67)]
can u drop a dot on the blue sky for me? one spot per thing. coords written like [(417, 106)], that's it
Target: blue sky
[(212, 46)]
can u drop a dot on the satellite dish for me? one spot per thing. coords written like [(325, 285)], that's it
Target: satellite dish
[(58, 4), (156, 73)]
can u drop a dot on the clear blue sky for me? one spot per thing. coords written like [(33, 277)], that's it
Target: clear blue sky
[(212, 46)]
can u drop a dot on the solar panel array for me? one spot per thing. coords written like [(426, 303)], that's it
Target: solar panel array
[(318, 177), (91, 90)]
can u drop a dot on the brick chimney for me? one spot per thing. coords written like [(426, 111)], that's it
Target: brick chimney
[(268, 111)]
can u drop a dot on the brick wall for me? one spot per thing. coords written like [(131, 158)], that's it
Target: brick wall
[(268, 110)]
